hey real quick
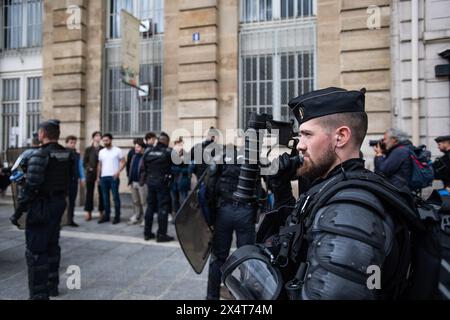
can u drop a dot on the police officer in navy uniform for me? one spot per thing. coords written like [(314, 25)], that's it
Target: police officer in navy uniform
[(229, 215), (50, 168), (157, 163)]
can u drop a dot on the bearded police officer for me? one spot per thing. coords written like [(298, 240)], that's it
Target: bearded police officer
[(340, 228), (50, 168)]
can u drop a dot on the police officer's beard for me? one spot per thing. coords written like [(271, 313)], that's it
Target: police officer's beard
[(315, 169)]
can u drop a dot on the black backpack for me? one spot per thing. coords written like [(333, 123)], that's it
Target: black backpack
[(424, 269)]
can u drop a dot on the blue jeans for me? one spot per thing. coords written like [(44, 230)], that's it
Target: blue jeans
[(110, 184)]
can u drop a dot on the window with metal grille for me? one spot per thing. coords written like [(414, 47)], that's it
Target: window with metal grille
[(256, 10), (115, 7), (296, 8), (12, 24), (150, 107), (126, 113), (257, 83), (277, 60), (34, 103), (34, 25), (10, 112), (152, 10), (21, 23), (296, 78), (267, 10)]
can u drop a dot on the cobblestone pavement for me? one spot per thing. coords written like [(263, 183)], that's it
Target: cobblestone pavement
[(115, 263)]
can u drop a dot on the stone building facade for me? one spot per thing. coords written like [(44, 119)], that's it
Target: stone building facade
[(211, 61)]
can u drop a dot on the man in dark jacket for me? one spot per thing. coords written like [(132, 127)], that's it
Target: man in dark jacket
[(138, 189), (90, 162), (78, 177), (395, 163)]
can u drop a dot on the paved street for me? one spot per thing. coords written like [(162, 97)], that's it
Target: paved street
[(115, 263)]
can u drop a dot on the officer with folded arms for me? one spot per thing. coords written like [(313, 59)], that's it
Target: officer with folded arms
[(50, 168)]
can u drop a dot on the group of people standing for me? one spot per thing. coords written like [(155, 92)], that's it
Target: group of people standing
[(156, 184)]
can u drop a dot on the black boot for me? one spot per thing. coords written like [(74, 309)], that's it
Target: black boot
[(164, 238), (37, 276), (53, 274), (15, 218)]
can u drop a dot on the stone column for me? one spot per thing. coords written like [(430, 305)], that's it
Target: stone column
[(65, 66), (72, 59)]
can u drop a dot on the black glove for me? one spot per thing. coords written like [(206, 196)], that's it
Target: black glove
[(280, 183)]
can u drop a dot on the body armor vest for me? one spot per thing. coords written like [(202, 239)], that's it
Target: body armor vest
[(58, 171), (157, 162)]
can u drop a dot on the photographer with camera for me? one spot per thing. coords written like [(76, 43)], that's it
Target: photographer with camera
[(393, 161), (441, 165)]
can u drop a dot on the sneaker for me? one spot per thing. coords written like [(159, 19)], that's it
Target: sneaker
[(149, 237), (164, 238), (103, 220), (143, 223), (116, 221)]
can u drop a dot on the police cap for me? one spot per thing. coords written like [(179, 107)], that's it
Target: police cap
[(442, 139), (327, 101)]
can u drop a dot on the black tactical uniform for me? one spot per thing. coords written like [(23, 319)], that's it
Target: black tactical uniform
[(340, 228), (157, 163), (50, 169), (229, 216)]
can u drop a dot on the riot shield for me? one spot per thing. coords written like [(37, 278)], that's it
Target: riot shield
[(193, 232)]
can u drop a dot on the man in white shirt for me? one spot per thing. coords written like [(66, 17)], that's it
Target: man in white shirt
[(110, 163)]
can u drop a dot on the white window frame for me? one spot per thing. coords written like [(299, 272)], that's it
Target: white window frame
[(136, 12), (276, 11), (151, 54), (23, 89), (286, 23), (24, 26)]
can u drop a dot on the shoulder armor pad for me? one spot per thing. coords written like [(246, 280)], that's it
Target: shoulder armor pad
[(364, 197), (352, 220)]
